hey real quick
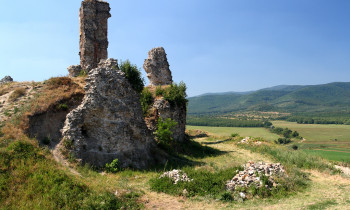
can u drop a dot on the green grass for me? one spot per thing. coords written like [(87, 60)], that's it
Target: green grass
[(331, 155), (318, 133), (31, 180), (244, 132)]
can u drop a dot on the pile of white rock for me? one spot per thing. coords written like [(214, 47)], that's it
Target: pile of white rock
[(176, 176), (248, 140), (252, 173)]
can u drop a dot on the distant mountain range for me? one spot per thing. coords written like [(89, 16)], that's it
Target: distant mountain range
[(284, 98)]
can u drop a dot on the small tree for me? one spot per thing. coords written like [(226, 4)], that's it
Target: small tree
[(146, 99), (164, 131)]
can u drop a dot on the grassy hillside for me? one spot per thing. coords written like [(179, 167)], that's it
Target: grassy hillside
[(315, 98)]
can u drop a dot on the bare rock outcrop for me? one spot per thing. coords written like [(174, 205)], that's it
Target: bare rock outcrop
[(93, 16), (109, 123), (157, 67), (74, 70), (6, 79)]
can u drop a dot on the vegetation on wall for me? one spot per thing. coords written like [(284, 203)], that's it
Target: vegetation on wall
[(133, 74), (176, 94), (146, 99)]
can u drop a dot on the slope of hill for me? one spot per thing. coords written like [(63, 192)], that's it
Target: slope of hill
[(293, 98)]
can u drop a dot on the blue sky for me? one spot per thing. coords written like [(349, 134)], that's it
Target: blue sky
[(212, 45)]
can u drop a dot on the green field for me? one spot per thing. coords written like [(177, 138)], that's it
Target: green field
[(329, 141), (244, 132)]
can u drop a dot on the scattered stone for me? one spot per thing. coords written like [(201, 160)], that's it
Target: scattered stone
[(93, 16), (74, 70), (109, 123), (252, 172), (157, 67), (6, 79), (176, 176)]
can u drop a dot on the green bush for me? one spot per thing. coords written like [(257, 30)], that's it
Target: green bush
[(283, 141), (164, 131), (159, 91), (234, 135), (133, 74), (176, 94), (112, 167), (146, 99)]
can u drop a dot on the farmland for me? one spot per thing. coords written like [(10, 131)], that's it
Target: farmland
[(244, 132), (329, 141)]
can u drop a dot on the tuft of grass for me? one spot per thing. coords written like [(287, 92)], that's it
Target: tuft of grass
[(17, 93), (57, 82)]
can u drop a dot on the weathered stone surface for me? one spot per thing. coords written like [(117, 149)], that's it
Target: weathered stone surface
[(157, 67), (74, 70), (109, 123), (94, 16), (162, 108), (6, 79)]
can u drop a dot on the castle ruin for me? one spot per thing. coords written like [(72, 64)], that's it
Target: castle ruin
[(93, 17)]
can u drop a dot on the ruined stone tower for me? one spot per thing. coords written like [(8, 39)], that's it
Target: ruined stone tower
[(93, 16)]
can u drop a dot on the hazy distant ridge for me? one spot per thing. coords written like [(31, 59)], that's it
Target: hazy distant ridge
[(290, 98)]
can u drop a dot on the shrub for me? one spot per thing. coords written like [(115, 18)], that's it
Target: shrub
[(283, 141), (176, 94), (112, 167), (133, 74), (146, 99), (164, 131), (295, 147), (234, 135), (159, 91), (18, 92)]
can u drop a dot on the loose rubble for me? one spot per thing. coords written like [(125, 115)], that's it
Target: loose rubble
[(252, 172), (176, 176)]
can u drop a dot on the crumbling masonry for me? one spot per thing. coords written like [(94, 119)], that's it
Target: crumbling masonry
[(93, 16)]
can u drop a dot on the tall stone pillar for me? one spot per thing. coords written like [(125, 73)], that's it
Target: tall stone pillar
[(93, 16)]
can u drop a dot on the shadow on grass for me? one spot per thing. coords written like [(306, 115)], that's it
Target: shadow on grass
[(216, 142), (181, 155)]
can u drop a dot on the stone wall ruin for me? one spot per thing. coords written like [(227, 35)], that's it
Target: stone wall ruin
[(93, 16), (157, 67), (109, 123)]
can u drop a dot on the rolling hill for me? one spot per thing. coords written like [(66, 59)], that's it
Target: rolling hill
[(284, 98)]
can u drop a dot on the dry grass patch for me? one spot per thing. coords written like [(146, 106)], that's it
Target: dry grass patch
[(17, 93)]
